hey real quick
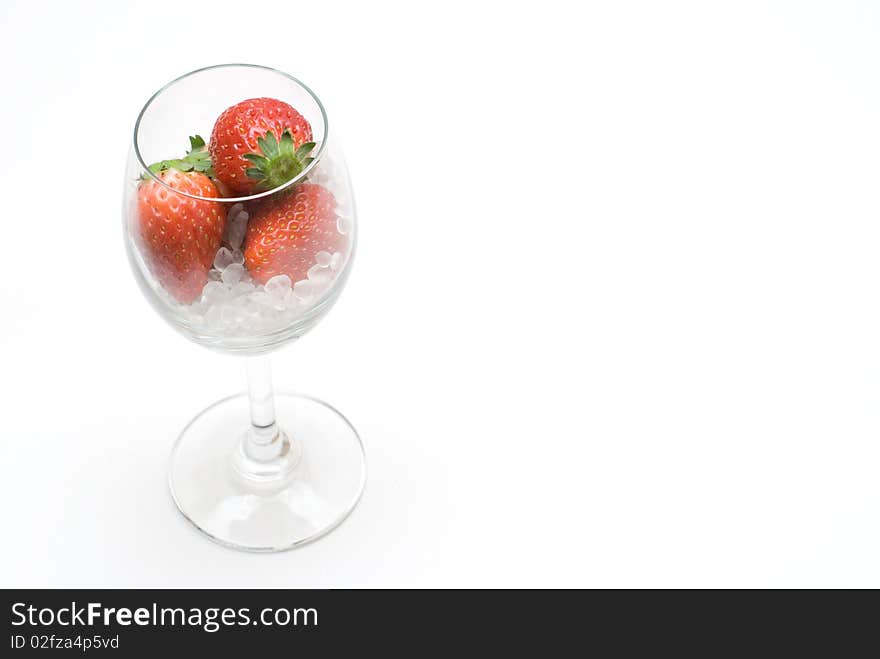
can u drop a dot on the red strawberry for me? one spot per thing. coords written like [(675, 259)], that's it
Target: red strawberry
[(286, 230), (259, 144), (181, 235)]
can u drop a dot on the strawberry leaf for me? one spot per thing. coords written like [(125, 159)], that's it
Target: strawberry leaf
[(285, 147), (304, 150), (260, 161), (196, 159), (269, 145), (279, 162)]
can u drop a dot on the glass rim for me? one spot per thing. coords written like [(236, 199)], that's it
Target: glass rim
[(232, 200)]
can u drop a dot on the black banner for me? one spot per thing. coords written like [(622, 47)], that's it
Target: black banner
[(413, 623)]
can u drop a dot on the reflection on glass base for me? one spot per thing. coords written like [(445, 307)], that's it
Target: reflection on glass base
[(320, 476)]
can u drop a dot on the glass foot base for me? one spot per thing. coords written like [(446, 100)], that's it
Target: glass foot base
[(305, 493)]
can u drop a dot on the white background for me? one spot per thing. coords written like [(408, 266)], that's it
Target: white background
[(614, 319)]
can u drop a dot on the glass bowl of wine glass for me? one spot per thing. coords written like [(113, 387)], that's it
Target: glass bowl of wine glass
[(240, 228)]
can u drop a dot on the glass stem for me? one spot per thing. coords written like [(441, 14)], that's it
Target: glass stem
[(264, 441)]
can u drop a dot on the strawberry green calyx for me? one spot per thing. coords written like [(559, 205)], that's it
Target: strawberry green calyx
[(279, 162), (196, 159)]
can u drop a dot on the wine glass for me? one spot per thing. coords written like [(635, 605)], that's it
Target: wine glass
[(244, 253)]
